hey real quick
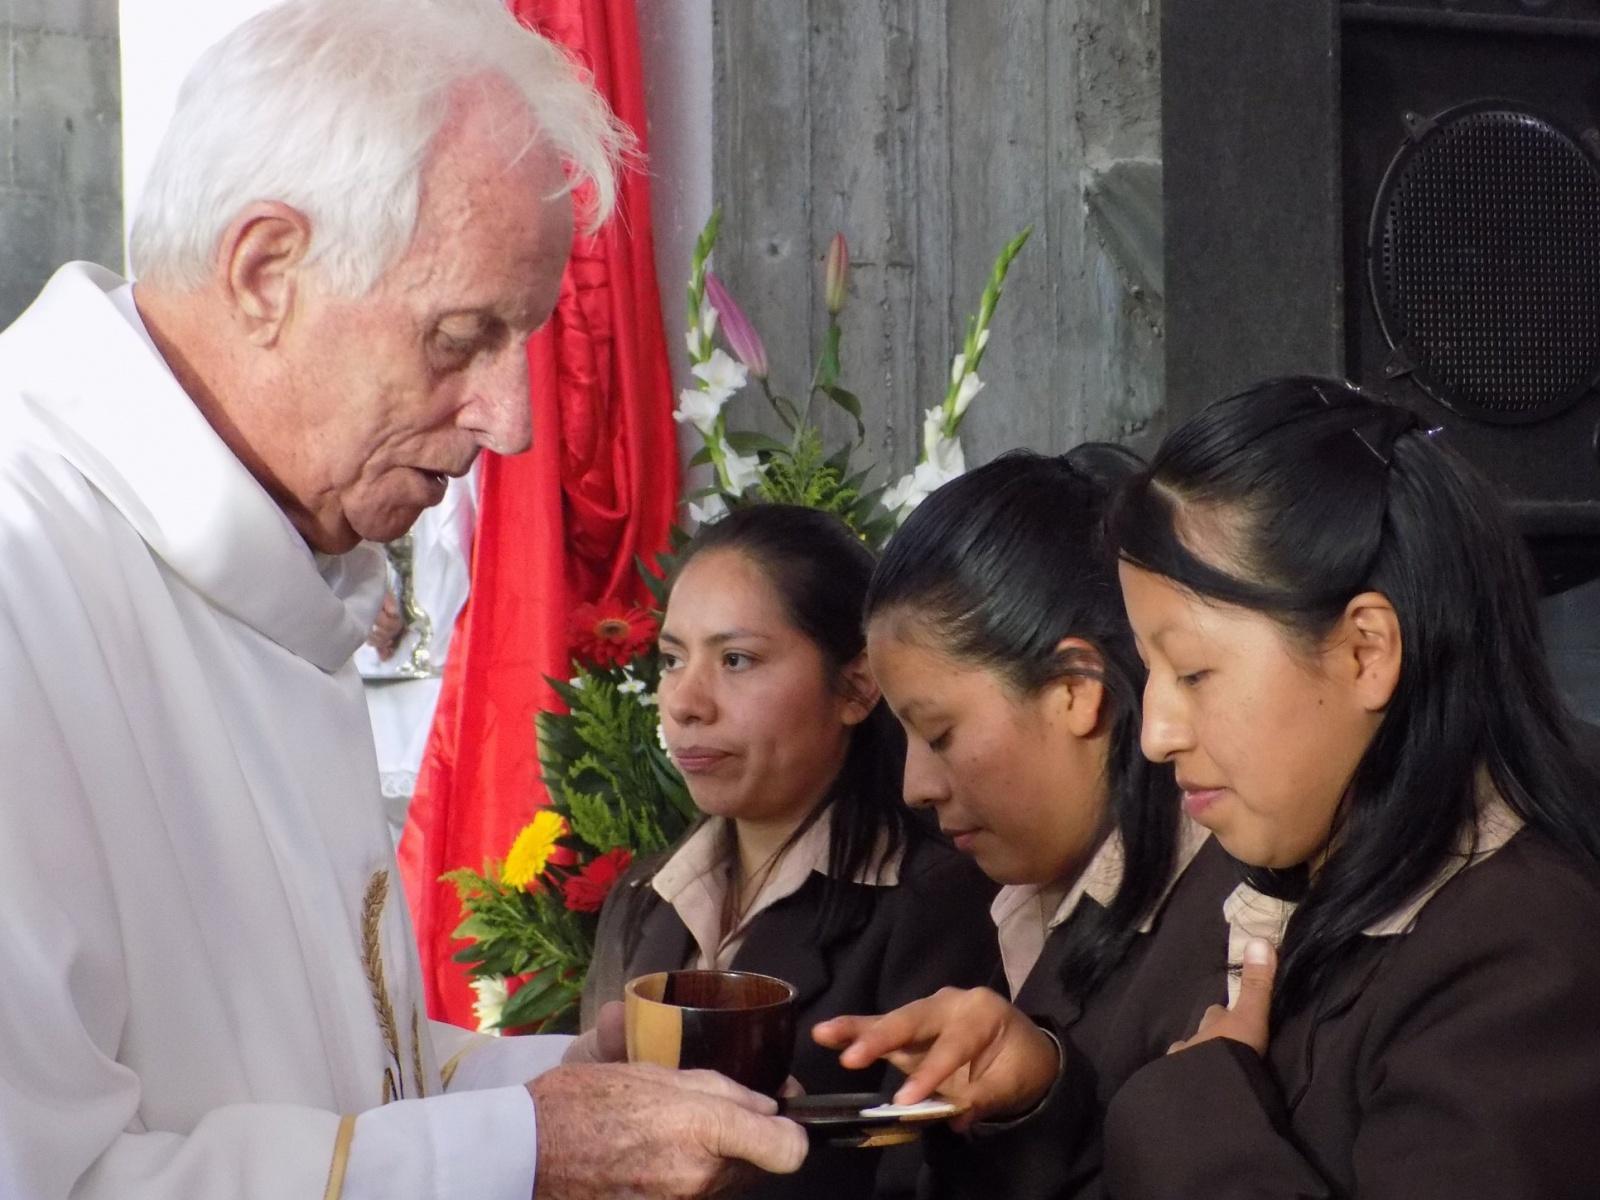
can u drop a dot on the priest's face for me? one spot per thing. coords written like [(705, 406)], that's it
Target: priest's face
[(753, 714), (397, 390)]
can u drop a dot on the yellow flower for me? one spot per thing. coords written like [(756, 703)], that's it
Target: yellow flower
[(532, 849)]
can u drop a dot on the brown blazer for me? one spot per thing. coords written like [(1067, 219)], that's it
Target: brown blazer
[(1458, 1061), (1153, 998), (930, 930)]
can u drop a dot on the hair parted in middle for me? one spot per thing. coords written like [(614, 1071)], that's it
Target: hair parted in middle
[(1311, 492)]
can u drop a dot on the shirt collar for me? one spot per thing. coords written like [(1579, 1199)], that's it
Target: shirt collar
[(1252, 914), (1019, 910), (701, 856), (695, 880), (119, 416)]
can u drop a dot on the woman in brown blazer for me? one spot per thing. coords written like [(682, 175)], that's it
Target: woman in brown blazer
[(806, 866), (1345, 673), (996, 630)]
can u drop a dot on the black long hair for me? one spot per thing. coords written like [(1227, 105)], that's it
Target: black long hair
[(820, 570), (1326, 493), (1002, 564)]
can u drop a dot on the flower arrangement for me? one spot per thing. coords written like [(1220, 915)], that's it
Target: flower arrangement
[(614, 794)]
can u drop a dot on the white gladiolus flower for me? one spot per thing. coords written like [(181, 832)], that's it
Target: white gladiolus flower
[(943, 461), (692, 340), (932, 430), (714, 509), (970, 387), (899, 494), (708, 320), (983, 340), (721, 374), (743, 470), (491, 1002), (631, 686), (699, 409), (958, 368)]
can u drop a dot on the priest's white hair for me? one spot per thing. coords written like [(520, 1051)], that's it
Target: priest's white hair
[(330, 107)]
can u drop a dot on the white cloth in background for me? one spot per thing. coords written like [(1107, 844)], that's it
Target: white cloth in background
[(186, 853), (400, 705)]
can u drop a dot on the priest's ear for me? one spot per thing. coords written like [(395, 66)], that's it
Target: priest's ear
[(260, 258)]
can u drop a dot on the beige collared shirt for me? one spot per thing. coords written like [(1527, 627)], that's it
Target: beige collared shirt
[(1025, 914), (1252, 915), (695, 882)]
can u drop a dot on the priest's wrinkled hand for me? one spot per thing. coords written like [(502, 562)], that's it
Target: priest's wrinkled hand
[(970, 1045), (384, 636), (606, 1042), (636, 1130)]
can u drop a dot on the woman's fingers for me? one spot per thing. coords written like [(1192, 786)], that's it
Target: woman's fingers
[(867, 1039), (952, 1051)]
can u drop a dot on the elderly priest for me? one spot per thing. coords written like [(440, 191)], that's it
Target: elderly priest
[(210, 990)]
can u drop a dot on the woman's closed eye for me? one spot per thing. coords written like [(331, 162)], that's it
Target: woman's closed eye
[(941, 743), (1192, 678)]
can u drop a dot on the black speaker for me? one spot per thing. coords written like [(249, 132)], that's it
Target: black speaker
[(1406, 194)]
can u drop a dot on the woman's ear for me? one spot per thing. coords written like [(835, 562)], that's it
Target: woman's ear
[(259, 260), (1078, 700), (1371, 649), (858, 690)]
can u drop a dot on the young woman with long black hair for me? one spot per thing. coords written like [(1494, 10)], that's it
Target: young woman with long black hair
[(996, 629), (806, 865), (1346, 674)]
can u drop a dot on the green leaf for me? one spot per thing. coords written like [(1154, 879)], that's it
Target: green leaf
[(851, 403), (828, 364), (787, 412), (755, 443)]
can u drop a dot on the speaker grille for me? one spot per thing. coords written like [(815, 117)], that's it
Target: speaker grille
[(1484, 262)]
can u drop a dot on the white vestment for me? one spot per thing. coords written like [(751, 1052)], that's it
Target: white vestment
[(193, 958), (403, 690)]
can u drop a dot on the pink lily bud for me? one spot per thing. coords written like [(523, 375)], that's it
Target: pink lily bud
[(741, 336), (836, 274)]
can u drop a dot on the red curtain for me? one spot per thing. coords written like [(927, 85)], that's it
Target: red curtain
[(557, 526)]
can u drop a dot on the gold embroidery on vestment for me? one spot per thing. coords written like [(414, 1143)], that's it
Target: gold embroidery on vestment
[(341, 1159)]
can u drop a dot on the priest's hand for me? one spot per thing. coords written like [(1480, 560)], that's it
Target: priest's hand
[(606, 1042), (384, 637), (636, 1130), (1248, 1018), (972, 1046)]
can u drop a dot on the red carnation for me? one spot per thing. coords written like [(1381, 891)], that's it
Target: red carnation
[(610, 633), (588, 890)]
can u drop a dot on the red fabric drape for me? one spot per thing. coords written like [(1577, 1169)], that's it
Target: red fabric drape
[(557, 526)]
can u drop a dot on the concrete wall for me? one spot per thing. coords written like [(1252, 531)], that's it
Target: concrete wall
[(60, 169), (675, 47), (930, 131)]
